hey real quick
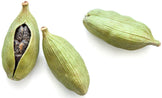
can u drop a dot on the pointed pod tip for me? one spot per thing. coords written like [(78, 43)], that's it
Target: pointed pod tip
[(25, 6), (156, 43), (25, 3), (44, 30)]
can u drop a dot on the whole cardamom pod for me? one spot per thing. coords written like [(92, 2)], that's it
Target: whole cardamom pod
[(117, 30), (21, 45), (65, 62)]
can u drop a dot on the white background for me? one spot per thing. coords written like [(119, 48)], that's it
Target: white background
[(114, 72)]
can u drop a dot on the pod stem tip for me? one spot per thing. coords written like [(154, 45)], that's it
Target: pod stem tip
[(25, 3), (156, 43), (44, 30)]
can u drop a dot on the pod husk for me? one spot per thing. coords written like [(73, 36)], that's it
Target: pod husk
[(28, 59), (65, 63), (118, 30)]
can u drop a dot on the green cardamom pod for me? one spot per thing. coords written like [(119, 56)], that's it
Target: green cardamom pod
[(65, 62), (117, 30), (21, 45)]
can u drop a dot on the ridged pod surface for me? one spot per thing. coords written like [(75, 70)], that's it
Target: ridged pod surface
[(29, 45), (65, 62), (117, 30)]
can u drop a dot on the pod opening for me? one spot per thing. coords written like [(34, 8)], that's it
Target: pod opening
[(21, 40)]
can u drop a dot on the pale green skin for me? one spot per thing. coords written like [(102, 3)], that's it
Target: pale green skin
[(29, 57), (65, 63), (117, 30)]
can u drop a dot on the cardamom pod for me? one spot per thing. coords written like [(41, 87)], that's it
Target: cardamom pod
[(21, 45), (117, 30), (65, 62)]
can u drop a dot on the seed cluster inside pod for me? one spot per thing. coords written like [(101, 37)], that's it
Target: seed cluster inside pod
[(21, 41)]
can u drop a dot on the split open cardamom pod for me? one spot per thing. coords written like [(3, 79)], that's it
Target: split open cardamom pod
[(21, 45), (65, 62), (118, 30)]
